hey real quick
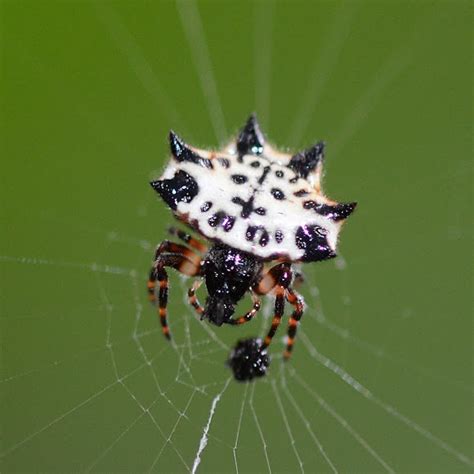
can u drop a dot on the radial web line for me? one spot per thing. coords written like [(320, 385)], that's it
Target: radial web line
[(171, 433), (109, 345), (187, 330), (94, 267), (120, 436), (259, 428), (182, 363), (136, 338), (287, 426), (205, 434), (237, 435), (191, 20), (328, 57), (366, 393), (193, 316), (135, 57), (139, 312), (307, 425), (57, 363), (75, 408), (345, 424), (320, 317)]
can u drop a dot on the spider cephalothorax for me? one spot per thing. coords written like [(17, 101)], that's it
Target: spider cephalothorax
[(229, 273), (254, 205)]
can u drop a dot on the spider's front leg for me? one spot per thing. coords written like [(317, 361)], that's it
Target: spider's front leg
[(192, 298), (248, 316), (194, 302), (297, 302), (278, 279), (179, 257)]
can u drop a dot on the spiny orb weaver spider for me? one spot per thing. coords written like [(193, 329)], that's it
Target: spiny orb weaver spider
[(254, 205)]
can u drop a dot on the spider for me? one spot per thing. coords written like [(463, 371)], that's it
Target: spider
[(260, 211)]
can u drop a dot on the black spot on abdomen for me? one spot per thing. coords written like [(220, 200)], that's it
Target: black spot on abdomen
[(206, 206), (278, 194), (181, 188), (216, 218), (221, 218), (312, 239), (250, 232), (264, 238), (239, 178), (227, 223)]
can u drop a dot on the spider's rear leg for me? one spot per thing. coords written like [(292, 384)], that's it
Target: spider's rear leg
[(175, 256), (170, 247), (294, 299), (188, 239), (278, 279)]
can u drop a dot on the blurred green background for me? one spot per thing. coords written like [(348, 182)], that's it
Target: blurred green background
[(381, 378)]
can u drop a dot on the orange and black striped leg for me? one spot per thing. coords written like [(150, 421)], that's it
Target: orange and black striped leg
[(192, 298), (278, 279), (188, 239), (279, 309), (162, 278), (169, 247), (280, 274), (158, 282), (297, 302), (248, 316)]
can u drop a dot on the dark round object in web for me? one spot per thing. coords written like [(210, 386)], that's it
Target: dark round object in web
[(248, 359)]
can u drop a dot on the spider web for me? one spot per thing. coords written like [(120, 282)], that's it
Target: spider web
[(175, 393), (177, 404)]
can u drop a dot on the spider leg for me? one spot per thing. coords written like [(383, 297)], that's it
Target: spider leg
[(175, 256), (169, 247), (248, 316), (192, 298), (278, 278), (194, 302), (188, 239), (294, 299)]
